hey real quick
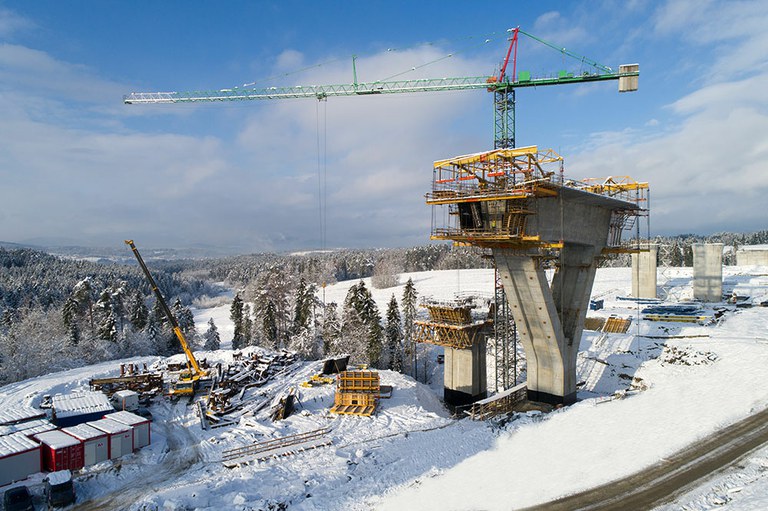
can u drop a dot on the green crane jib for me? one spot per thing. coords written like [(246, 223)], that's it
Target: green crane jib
[(187, 381), (502, 86)]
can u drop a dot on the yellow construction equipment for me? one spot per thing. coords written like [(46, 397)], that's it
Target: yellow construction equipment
[(316, 381), (357, 393), (187, 382)]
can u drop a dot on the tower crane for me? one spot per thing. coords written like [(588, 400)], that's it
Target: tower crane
[(502, 86)]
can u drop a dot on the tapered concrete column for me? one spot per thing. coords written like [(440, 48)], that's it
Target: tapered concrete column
[(644, 273), (549, 321), (708, 272)]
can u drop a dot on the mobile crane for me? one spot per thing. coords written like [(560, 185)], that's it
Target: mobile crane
[(189, 380)]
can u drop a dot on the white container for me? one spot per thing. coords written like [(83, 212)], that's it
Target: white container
[(142, 435), (95, 442), (120, 436), (126, 400)]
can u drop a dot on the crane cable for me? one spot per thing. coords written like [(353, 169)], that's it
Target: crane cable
[(485, 40), (322, 169)]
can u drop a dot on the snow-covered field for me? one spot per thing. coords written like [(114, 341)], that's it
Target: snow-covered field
[(413, 455)]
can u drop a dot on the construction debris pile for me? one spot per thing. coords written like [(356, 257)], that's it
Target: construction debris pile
[(228, 392)]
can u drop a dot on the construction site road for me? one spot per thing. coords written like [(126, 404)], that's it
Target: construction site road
[(662, 482), (181, 454)]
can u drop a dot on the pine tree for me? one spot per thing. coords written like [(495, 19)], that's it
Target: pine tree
[(106, 322), (184, 318), (69, 315), (269, 325), (211, 336), (301, 310), (331, 330), (236, 315), (139, 314), (372, 318), (247, 326), (409, 317), (394, 334), (354, 328)]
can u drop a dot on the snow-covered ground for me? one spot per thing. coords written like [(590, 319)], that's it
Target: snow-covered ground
[(413, 455)]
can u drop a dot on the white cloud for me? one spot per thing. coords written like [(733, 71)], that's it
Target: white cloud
[(735, 31), (706, 173), (11, 23)]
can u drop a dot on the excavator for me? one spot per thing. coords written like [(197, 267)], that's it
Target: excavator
[(188, 380)]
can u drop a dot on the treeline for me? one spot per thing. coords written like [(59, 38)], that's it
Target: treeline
[(339, 265), (60, 313), (677, 251), (288, 316)]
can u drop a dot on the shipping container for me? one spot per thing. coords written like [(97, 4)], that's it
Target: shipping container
[(19, 414), (60, 451), (30, 428), (95, 443), (19, 457), (120, 437), (79, 407), (142, 434)]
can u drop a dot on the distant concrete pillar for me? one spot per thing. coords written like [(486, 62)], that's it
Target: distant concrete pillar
[(644, 273), (708, 272), (464, 376)]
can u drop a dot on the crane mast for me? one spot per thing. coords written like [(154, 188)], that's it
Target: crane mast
[(194, 367)]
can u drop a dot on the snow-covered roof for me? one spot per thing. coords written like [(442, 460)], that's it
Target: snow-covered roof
[(84, 432), (57, 439), (110, 426), (29, 428), (750, 248), (16, 443), (121, 394), (131, 419), (80, 403), (59, 477), (11, 415)]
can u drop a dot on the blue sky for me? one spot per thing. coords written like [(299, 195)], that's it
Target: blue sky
[(79, 167)]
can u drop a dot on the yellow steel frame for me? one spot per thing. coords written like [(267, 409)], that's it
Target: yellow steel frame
[(448, 335)]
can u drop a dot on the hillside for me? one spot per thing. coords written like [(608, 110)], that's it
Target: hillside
[(688, 380)]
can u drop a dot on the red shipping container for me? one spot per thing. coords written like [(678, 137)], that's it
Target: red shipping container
[(61, 451)]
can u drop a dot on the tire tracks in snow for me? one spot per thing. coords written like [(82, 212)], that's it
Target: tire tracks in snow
[(672, 476), (182, 453)]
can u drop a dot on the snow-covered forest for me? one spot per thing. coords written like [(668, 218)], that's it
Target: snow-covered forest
[(58, 313)]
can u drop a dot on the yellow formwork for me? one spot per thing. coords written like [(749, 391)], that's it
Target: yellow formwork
[(357, 393)]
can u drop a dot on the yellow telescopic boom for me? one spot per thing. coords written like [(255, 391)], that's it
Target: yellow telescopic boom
[(194, 366)]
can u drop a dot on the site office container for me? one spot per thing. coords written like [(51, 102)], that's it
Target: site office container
[(60, 451), (95, 443), (120, 437), (19, 457), (126, 400), (141, 427)]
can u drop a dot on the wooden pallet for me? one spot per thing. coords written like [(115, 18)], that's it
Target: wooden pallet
[(616, 325)]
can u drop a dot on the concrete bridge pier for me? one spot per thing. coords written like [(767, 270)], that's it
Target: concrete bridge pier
[(549, 320)]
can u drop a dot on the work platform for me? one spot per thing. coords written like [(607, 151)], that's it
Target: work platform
[(517, 203), (461, 333)]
